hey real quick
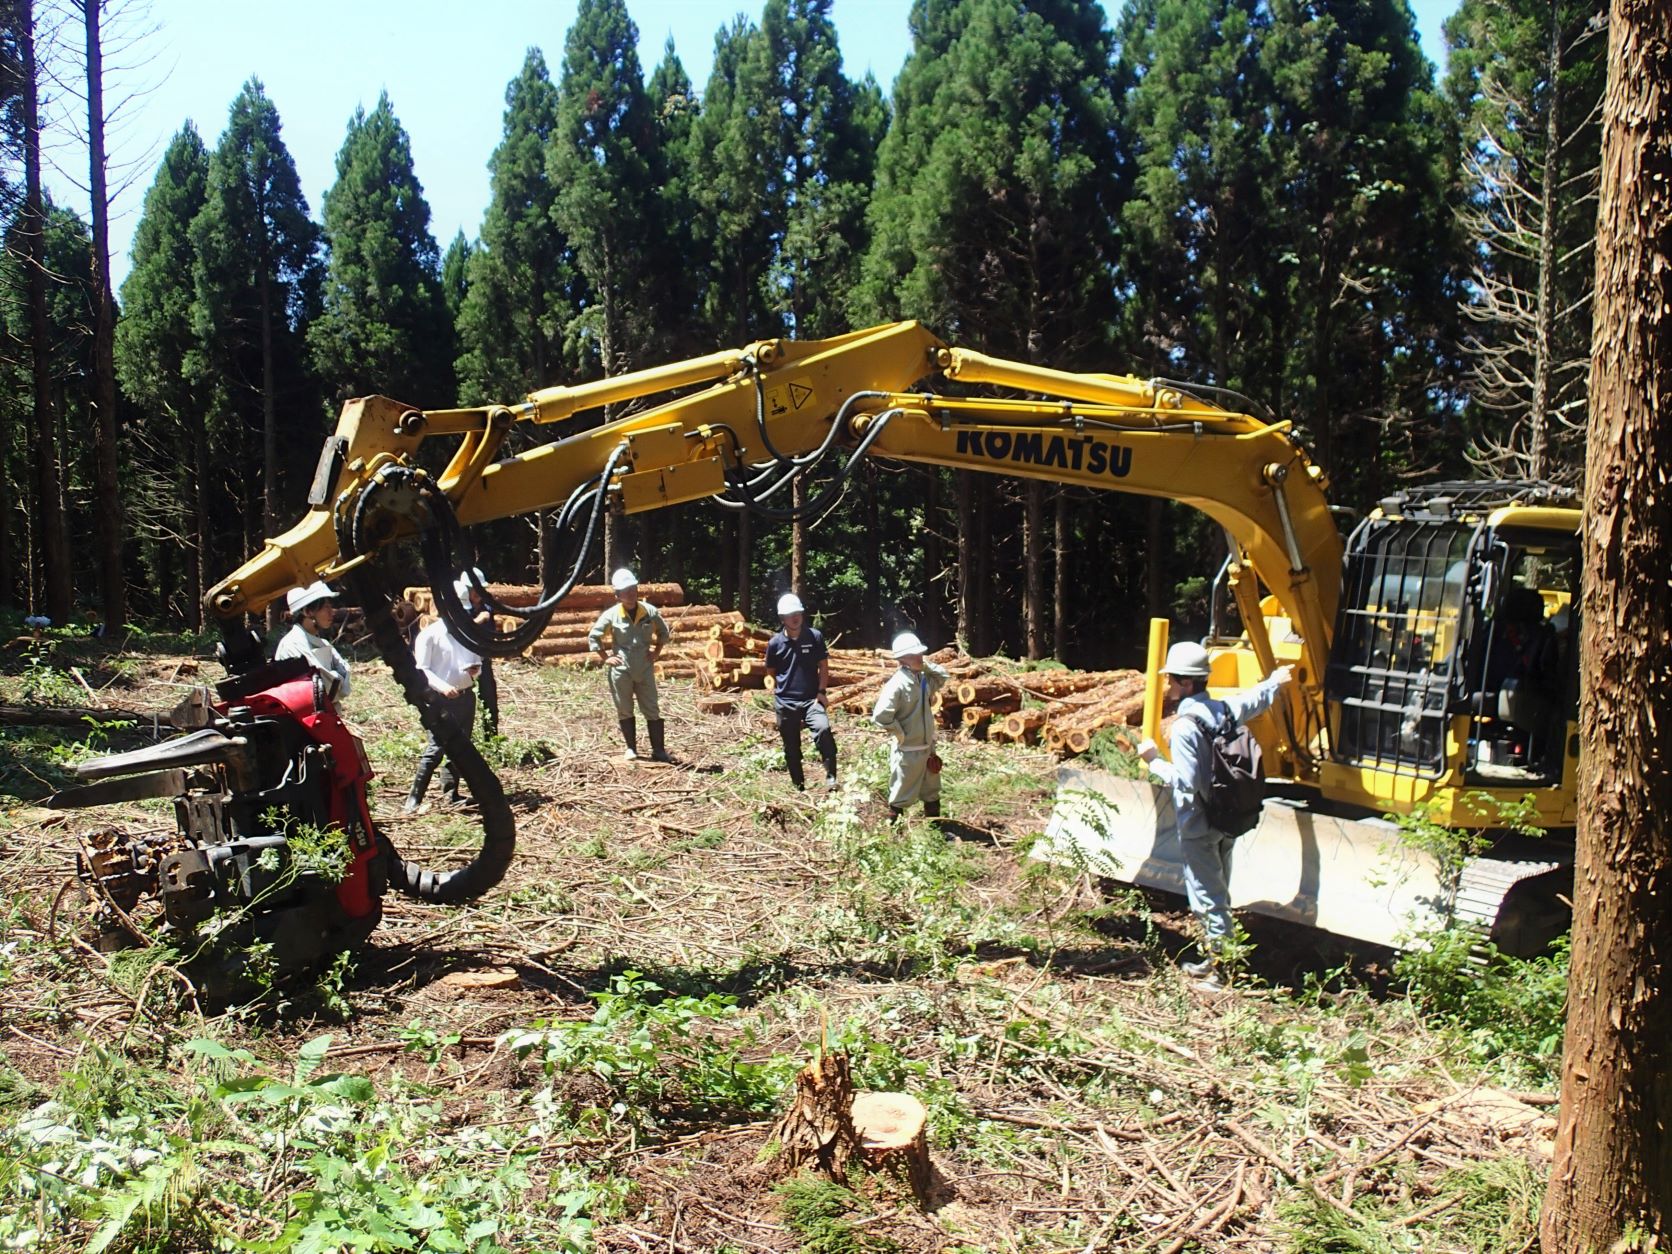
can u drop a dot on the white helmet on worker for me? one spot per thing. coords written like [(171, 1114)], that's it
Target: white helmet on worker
[(1187, 660), (299, 599), (907, 643), (624, 579), (789, 604), (462, 585)]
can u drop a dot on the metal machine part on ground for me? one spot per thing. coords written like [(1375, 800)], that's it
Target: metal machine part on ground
[(1434, 655)]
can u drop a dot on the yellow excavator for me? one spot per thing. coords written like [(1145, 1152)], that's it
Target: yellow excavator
[(1435, 651)]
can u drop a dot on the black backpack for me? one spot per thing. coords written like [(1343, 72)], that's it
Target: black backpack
[(1236, 779)]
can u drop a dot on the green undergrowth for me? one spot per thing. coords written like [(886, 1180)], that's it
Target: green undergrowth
[(225, 1152)]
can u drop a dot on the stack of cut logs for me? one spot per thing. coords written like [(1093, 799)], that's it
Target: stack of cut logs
[(564, 642), (1060, 709), (980, 702)]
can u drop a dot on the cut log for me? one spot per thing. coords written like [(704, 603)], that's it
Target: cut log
[(79, 717), (894, 1138), (584, 597), (986, 690), (716, 705)]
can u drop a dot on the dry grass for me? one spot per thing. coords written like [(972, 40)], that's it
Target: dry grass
[(1082, 1095)]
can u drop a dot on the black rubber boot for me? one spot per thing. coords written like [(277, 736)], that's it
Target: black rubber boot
[(830, 771), (658, 750), (894, 813), (931, 809), (630, 733)]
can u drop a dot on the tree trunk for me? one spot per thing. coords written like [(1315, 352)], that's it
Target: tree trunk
[(728, 564), (798, 538), (1059, 580), (197, 525), (1154, 589), (966, 559), (985, 636), (745, 542), (1612, 1172), (933, 616), (871, 559), (1033, 568), (49, 503), (1544, 329), (109, 513)]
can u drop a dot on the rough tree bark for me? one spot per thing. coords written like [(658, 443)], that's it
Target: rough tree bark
[(798, 537), (966, 559), (1033, 562), (54, 547), (1544, 333), (1059, 579), (1612, 1173), (109, 515)]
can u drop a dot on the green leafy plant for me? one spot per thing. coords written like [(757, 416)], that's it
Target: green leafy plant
[(1506, 1011), (821, 1214)]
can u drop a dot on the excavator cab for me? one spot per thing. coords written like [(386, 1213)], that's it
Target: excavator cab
[(1453, 672)]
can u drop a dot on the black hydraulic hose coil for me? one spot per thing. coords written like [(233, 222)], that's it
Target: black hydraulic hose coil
[(499, 828)]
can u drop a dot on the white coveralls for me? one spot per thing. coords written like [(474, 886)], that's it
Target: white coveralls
[(631, 637), (904, 710), (322, 654)]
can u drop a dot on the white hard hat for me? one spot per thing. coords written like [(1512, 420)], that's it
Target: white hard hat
[(462, 585), (907, 643), (1187, 660), (789, 603), (298, 599), (624, 579)]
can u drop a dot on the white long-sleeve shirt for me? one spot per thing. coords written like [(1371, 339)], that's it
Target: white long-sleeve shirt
[(1186, 774), (299, 642), (904, 707), (445, 662)]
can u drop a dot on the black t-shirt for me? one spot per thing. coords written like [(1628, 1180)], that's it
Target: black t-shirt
[(795, 663)]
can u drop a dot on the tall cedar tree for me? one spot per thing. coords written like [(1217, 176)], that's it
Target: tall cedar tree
[(603, 162), (731, 171), (679, 286), (64, 368), (519, 299), (1525, 78), (819, 181), (1363, 234), (52, 557), (1192, 106), (1611, 1178), (455, 275), (1008, 218), (254, 269), (160, 363), (384, 326), (12, 478), (109, 518)]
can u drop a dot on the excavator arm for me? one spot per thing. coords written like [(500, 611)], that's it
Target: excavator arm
[(719, 426)]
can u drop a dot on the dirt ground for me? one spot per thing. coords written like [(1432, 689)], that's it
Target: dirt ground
[(592, 1056)]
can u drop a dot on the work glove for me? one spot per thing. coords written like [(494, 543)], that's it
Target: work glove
[(1148, 750), (1283, 675)]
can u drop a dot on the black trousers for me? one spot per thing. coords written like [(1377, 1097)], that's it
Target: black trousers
[(461, 712), (792, 717)]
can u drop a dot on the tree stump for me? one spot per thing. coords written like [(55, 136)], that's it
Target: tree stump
[(818, 1130), (716, 705), (828, 1126), (894, 1137)]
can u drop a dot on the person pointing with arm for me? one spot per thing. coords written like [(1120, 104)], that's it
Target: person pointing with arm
[(1207, 852)]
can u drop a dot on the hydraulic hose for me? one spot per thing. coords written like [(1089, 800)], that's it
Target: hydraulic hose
[(499, 829)]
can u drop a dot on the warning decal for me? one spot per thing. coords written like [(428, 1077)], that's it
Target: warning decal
[(785, 398)]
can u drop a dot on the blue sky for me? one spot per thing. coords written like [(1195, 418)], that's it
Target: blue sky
[(444, 64)]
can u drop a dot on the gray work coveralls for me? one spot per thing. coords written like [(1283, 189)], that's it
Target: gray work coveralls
[(904, 710), (631, 638)]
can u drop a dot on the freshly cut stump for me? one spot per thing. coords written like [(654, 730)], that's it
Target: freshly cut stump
[(894, 1137), (716, 705), (828, 1126)]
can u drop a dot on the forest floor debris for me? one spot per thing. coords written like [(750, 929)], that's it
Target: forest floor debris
[(593, 1055)]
